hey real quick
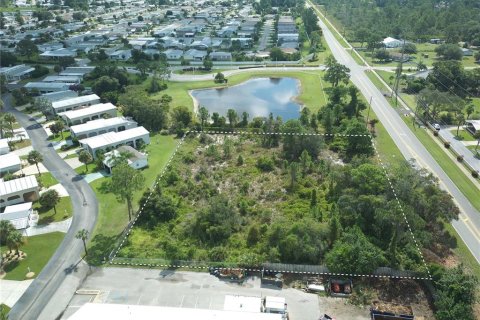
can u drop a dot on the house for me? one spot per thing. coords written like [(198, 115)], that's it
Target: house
[(287, 37), (390, 42), (47, 87), (135, 159), (4, 147), (467, 52), (50, 46), (19, 215), (473, 126), (195, 55), (76, 71), (120, 55), (65, 79), (138, 44), (244, 42), (173, 54), (111, 140), (75, 103), (101, 126), (60, 95), (93, 112), (57, 54), (16, 73), (286, 24), (220, 56), (18, 190), (9, 163)]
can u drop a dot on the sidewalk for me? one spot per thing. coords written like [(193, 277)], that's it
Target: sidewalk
[(61, 226)]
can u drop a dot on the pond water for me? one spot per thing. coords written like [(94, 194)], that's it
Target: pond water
[(258, 97)]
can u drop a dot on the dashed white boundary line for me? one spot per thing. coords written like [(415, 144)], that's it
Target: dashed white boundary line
[(182, 140)]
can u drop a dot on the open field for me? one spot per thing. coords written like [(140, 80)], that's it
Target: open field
[(39, 249)]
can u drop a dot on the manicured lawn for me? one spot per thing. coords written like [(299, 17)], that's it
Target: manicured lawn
[(46, 179), (311, 94), (113, 216), (91, 167), (22, 144), (462, 135), (64, 211), (472, 148), (377, 82), (356, 56), (58, 137), (39, 250)]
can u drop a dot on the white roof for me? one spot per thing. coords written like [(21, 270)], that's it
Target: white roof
[(62, 78), (98, 124), (277, 303), (390, 39), (22, 207), (100, 311), (242, 303), (9, 160), (59, 95), (96, 108), (75, 101), (4, 144), (114, 137), (48, 85), (16, 185), (474, 123)]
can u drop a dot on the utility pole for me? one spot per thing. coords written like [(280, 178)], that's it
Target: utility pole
[(368, 111), (399, 74)]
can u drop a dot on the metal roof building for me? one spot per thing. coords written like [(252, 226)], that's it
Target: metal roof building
[(92, 112), (18, 190), (75, 103)]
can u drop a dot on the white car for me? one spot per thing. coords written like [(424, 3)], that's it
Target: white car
[(436, 126)]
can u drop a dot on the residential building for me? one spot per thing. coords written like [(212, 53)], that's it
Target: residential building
[(93, 112), (120, 55), (112, 140), (287, 37), (75, 103), (101, 126), (220, 56), (473, 126), (467, 52), (19, 215), (173, 54), (16, 73), (286, 24), (57, 54), (65, 79), (47, 87), (135, 159), (195, 55), (9, 163), (18, 190), (390, 42), (60, 95), (76, 71), (4, 147)]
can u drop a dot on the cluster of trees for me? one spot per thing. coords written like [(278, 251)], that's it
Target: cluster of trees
[(10, 237), (108, 81), (412, 19)]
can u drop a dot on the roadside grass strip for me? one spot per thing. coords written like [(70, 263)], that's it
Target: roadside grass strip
[(140, 262)]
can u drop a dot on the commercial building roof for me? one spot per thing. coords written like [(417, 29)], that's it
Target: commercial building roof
[(9, 160), (100, 311), (17, 185), (98, 124), (96, 108), (91, 98), (110, 138), (242, 303)]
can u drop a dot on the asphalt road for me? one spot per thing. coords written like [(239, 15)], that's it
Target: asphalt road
[(50, 292), (468, 225)]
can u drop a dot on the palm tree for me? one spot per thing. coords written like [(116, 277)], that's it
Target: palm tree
[(34, 157), (10, 120), (85, 157), (14, 240), (83, 235), (232, 117)]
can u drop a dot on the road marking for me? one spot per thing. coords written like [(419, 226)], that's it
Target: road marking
[(181, 303)]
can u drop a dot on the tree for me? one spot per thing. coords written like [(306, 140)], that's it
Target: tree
[(382, 55), (27, 48), (337, 72), (409, 48), (358, 139), (105, 84), (14, 240), (353, 253), (207, 64), (361, 35), (455, 295), (83, 235), (469, 109), (460, 120), (204, 116), (49, 199), (276, 54), (57, 127), (477, 136), (34, 157), (85, 157), (125, 181), (181, 118), (43, 105), (157, 207), (232, 117), (10, 120), (8, 59), (6, 227), (449, 51), (220, 78)]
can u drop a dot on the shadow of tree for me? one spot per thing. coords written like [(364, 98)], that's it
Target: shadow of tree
[(99, 249)]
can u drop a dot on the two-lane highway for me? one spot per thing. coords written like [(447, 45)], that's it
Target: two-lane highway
[(468, 225)]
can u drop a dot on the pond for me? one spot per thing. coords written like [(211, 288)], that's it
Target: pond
[(258, 97)]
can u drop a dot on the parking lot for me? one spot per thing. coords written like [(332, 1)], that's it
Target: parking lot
[(197, 290)]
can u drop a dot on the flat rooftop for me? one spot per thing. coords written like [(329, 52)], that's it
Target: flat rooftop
[(9, 160), (94, 311), (96, 108), (98, 124), (75, 101), (110, 138), (16, 185)]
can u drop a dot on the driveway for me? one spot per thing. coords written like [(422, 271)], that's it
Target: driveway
[(50, 292)]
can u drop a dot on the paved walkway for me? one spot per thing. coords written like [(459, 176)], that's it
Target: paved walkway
[(12, 291), (23, 151), (74, 163), (32, 169), (62, 192), (61, 226), (95, 176)]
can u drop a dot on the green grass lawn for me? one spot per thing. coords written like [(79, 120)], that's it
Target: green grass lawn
[(46, 179), (462, 251), (113, 216), (4, 310), (64, 211), (377, 82), (39, 249), (91, 167), (22, 144), (472, 148), (58, 137), (311, 94), (462, 135)]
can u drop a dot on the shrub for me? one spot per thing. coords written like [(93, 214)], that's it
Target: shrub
[(265, 164), (460, 158), (475, 174), (446, 144)]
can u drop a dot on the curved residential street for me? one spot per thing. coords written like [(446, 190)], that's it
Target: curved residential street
[(468, 224), (51, 291)]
